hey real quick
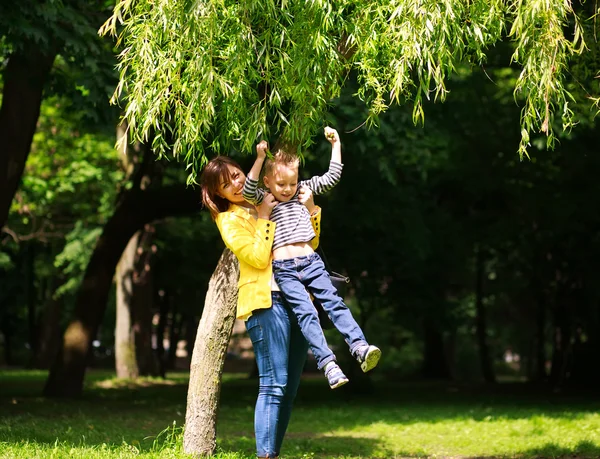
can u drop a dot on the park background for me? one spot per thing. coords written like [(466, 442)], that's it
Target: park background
[(474, 268)]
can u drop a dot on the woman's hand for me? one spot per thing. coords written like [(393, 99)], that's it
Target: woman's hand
[(266, 206), (305, 196)]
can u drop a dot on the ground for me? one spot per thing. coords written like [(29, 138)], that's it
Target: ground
[(123, 419)]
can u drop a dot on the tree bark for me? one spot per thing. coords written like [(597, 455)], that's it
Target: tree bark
[(134, 209), (487, 369), (208, 358), (24, 77), (125, 352)]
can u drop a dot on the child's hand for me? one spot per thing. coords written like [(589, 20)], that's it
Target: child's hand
[(266, 206), (305, 196), (331, 135), (261, 149)]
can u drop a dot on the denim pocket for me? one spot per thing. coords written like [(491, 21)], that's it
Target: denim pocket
[(254, 329)]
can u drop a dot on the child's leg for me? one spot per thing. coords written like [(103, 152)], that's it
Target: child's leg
[(287, 276), (318, 283)]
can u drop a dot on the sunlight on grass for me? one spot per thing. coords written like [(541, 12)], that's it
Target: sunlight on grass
[(122, 419), (490, 436)]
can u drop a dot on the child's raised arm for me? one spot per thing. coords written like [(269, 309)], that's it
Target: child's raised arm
[(336, 146), (251, 192), (325, 182)]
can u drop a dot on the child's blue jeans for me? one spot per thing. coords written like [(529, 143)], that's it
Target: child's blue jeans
[(295, 276)]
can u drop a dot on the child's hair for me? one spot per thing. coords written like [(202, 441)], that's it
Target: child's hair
[(281, 156), (215, 173)]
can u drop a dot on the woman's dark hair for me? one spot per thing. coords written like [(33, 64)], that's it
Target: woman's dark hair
[(215, 173)]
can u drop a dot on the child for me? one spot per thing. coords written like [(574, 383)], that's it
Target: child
[(296, 267)]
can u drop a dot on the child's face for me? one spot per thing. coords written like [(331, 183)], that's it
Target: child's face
[(282, 182)]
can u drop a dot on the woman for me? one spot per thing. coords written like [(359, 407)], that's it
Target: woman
[(279, 345)]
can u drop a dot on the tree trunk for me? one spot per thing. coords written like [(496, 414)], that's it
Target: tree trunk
[(214, 332), (134, 209), (125, 354), (31, 296), (540, 340), (143, 304), (487, 369), (435, 365), (8, 355), (163, 317), (174, 336), (24, 77), (191, 326), (48, 341), (562, 336)]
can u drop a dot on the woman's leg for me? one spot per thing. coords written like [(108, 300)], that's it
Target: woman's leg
[(298, 351), (269, 330)]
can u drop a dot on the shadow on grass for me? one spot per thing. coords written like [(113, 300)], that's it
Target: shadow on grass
[(339, 447), (308, 445), (552, 450)]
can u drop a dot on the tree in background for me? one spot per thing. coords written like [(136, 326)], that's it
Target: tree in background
[(36, 37), (69, 184)]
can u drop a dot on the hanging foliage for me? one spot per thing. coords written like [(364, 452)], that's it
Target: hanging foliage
[(220, 74)]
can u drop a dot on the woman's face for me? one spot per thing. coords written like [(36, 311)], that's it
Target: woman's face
[(232, 190)]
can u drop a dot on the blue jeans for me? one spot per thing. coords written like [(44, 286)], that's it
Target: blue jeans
[(295, 276), (280, 351)]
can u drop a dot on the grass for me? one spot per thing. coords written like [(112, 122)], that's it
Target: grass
[(124, 419)]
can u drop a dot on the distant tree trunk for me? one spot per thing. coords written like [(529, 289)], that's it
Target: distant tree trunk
[(48, 340), (450, 347), (125, 353), (174, 337), (435, 365), (23, 78), (562, 336), (134, 209), (191, 326), (30, 294), (540, 339), (143, 308), (208, 359), (163, 318), (7, 333), (481, 322)]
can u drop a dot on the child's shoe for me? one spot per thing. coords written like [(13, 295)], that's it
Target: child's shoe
[(335, 375), (368, 357)]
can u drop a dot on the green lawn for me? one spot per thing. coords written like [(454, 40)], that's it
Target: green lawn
[(124, 420)]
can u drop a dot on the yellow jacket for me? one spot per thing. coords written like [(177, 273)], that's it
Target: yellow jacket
[(251, 240)]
